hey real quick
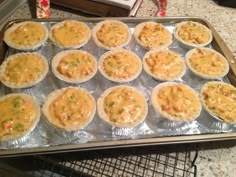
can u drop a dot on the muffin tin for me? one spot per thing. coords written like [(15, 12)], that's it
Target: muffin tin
[(98, 135)]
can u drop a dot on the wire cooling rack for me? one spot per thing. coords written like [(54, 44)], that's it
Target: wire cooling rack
[(152, 161)]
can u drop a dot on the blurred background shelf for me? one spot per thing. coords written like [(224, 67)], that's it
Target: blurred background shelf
[(103, 8)]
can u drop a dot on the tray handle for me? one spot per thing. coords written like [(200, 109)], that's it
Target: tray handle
[(3, 46), (3, 49)]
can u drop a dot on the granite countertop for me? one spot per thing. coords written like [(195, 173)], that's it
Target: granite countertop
[(215, 159)]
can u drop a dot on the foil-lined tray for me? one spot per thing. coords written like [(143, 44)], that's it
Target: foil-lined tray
[(98, 134)]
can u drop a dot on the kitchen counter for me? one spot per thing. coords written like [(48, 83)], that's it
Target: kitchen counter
[(215, 158)]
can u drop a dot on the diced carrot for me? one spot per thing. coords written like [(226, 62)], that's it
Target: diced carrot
[(177, 108), (150, 61), (165, 107)]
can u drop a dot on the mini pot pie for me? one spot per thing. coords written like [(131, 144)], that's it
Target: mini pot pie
[(120, 65), (176, 101), (70, 109), (219, 99), (19, 115), (122, 106), (23, 70), (192, 34), (26, 35), (70, 34), (111, 34), (207, 63), (152, 35), (74, 66), (164, 65)]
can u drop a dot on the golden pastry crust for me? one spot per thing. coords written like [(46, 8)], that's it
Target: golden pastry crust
[(127, 110), (164, 65), (152, 35), (17, 109), (120, 65), (207, 63), (70, 34), (26, 35), (219, 99), (192, 34), (111, 34), (23, 70), (176, 101), (73, 114), (74, 66)]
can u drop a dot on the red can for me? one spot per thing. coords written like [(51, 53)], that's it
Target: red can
[(43, 8), (162, 8)]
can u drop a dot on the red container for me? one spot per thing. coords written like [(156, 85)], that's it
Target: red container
[(43, 8)]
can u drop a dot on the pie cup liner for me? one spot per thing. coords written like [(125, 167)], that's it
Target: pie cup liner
[(12, 44), (10, 84), (189, 45), (158, 77), (56, 61), (102, 114), (114, 79), (138, 30), (203, 75), (22, 137), (98, 26), (74, 127), (72, 46)]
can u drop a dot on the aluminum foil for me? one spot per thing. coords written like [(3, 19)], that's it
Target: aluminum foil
[(45, 135)]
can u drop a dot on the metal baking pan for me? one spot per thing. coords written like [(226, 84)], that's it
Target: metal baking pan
[(99, 135)]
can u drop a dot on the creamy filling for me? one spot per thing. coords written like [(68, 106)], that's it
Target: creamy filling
[(73, 107), (193, 33), (178, 101), (24, 69), (120, 65), (70, 34), (112, 34), (221, 100), (124, 106), (16, 115), (76, 65), (164, 64), (207, 62), (27, 34), (154, 35)]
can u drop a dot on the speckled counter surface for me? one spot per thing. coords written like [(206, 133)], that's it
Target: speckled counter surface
[(216, 159)]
